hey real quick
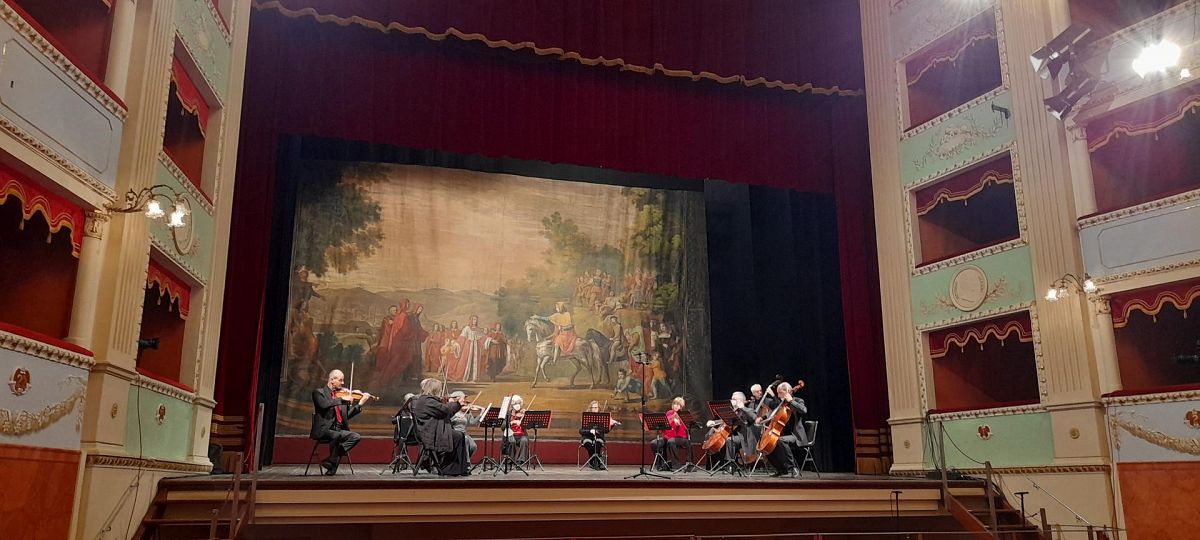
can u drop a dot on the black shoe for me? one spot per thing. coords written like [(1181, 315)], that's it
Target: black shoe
[(795, 473), (779, 473), (327, 466)]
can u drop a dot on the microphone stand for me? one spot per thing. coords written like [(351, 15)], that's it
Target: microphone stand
[(641, 360)]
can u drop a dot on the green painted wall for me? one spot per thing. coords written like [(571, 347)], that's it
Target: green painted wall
[(199, 29), (169, 440), (199, 260), (1018, 440), (962, 139), (1009, 275)]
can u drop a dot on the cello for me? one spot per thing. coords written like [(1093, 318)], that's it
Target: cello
[(774, 425)]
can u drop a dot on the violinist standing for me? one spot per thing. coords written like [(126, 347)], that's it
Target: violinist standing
[(333, 420), (783, 458)]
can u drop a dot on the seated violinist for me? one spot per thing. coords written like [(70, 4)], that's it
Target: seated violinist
[(593, 439), (433, 420), (782, 458), (674, 438), (516, 442), (334, 408), (469, 415), (743, 438)]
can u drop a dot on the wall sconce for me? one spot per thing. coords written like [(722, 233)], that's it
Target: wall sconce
[(149, 200), (1064, 286)]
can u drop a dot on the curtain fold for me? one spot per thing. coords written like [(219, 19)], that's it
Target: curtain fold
[(58, 211), (169, 287), (1145, 117), (980, 333), (950, 48), (189, 95), (1152, 300), (963, 186)]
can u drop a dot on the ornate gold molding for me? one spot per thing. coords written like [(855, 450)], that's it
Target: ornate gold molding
[(1138, 209), (45, 351), (1146, 271), (946, 116), (163, 388), (186, 266), (1046, 469), (222, 24), (1164, 397), (125, 462), (38, 146), (45, 47), (185, 182), (1182, 445), (21, 423), (95, 224), (987, 413), (966, 317)]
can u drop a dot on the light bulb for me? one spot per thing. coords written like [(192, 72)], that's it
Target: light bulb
[(1051, 294), (176, 218), (1185, 73), (153, 209), (1089, 286), (1157, 57)]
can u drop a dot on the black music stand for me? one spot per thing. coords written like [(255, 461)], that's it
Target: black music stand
[(689, 421), (535, 420), (489, 422), (724, 411), (641, 359), (654, 421), (601, 422)]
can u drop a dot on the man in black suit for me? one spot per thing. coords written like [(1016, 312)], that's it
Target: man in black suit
[(333, 420), (434, 429), (793, 434)]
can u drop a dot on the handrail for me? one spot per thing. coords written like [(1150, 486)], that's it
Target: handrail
[(991, 498), (231, 498)]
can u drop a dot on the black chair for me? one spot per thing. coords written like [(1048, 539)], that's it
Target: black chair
[(317, 443), (601, 455), (810, 428), (427, 458), (404, 435)]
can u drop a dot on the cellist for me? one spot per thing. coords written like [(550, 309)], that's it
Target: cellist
[(743, 436), (782, 457)]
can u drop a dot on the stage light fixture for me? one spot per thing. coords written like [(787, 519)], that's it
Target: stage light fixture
[(1064, 286), (1157, 58), (1048, 61), (1185, 73), (1061, 104)]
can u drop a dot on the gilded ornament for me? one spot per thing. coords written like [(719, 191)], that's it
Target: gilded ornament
[(985, 432), (20, 381), (1192, 418), (1183, 445), (161, 416), (113, 412), (21, 423), (1074, 433)]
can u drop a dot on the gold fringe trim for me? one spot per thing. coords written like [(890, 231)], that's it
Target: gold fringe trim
[(991, 177), (561, 54), (952, 57), (1154, 307), (1130, 129), (1183, 445)]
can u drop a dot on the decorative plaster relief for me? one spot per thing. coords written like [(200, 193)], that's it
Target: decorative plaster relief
[(207, 43), (19, 383), (1155, 432), (1008, 277), (44, 402), (981, 129), (190, 246)]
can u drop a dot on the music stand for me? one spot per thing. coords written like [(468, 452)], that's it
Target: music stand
[(654, 421), (601, 422), (489, 422), (641, 359), (689, 421), (535, 420)]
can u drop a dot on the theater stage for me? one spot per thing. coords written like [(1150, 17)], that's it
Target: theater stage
[(561, 501)]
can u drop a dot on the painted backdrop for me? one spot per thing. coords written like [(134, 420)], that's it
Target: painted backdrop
[(499, 284)]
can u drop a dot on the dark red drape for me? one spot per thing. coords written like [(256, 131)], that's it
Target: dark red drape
[(354, 83)]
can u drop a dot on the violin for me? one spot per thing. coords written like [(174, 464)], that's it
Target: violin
[(353, 396)]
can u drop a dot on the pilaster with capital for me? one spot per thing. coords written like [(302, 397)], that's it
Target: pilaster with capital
[(87, 279)]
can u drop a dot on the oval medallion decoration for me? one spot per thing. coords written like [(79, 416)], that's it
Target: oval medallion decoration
[(1193, 418), (969, 288), (162, 414), (985, 432), (20, 381)]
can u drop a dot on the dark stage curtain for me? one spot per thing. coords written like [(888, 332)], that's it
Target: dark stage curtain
[(776, 300), (308, 78)]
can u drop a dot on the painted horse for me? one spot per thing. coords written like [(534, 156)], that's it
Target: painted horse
[(585, 356)]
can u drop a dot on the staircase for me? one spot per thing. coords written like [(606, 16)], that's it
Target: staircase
[(970, 507), (211, 514)]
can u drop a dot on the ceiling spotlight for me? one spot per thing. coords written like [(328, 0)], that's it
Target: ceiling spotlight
[(1048, 61), (1157, 58), (1078, 86)]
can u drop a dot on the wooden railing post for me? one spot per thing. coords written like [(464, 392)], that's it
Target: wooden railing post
[(258, 419), (942, 462), (1045, 524), (991, 498)]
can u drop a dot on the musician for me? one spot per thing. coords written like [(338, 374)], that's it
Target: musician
[(783, 458), (469, 415), (593, 439), (333, 420), (516, 441), (743, 436), (434, 429), (674, 438)]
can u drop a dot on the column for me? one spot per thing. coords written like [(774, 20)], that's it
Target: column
[(1106, 346), (120, 46), (87, 280)]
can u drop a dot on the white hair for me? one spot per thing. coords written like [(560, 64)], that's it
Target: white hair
[(739, 396), (335, 373), (755, 387), (784, 387)]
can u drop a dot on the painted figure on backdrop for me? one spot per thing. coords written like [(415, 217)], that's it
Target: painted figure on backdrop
[(302, 289), (618, 348), (387, 335), (414, 340), (564, 330), (497, 351), (658, 384), (399, 349), (467, 366), (433, 349)]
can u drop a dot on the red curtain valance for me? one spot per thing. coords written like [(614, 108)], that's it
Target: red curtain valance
[(1152, 300), (980, 332), (964, 185), (57, 210), (188, 94), (169, 286), (950, 48), (1144, 117)]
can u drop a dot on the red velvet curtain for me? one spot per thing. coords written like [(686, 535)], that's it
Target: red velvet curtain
[(189, 95), (354, 83), (984, 364)]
